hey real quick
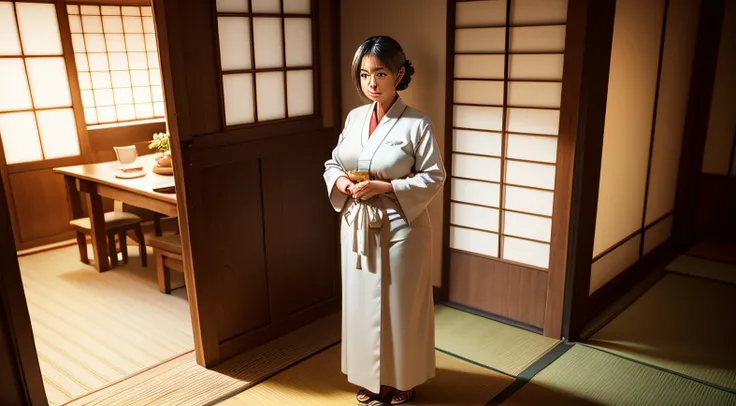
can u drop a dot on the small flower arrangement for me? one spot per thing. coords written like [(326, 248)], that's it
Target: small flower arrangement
[(160, 142)]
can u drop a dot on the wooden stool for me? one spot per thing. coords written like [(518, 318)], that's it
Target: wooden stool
[(167, 251), (116, 223)]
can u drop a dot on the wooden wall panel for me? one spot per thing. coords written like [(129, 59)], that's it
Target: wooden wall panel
[(499, 288), (234, 253), (37, 196), (102, 140)]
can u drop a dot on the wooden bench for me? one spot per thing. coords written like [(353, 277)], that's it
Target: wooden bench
[(168, 254)]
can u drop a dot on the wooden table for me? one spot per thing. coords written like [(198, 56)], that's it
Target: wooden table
[(97, 180)]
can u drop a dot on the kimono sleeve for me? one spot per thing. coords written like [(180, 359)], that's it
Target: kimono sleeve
[(333, 171), (416, 192)]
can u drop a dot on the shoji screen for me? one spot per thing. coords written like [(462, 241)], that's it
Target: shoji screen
[(506, 109), (647, 101), (37, 121), (266, 59), (720, 146)]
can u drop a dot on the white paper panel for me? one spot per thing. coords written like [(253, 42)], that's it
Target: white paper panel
[(479, 92), (475, 13), (537, 39), (476, 142), (674, 89), (94, 42), (92, 24), (476, 167), (297, 7), (471, 191), (110, 10), (112, 24), (532, 148), (722, 119), (490, 40), (232, 6), (538, 11), (20, 137), (49, 83), (90, 10), (270, 96), (144, 110), (39, 30), (267, 43), (72, 9), (85, 81), (14, 93), (613, 263), (530, 174), (535, 94), (75, 24), (146, 11), (526, 252), (123, 95), (142, 95), (474, 241), (120, 79), (527, 226), (131, 11), (481, 118), (157, 93), (155, 77), (106, 114), (139, 78), (101, 80), (78, 43), (135, 42), (58, 131), (266, 6), (628, 126), (125, 112), (657, 234), (300, 89), (238, 95), (90, 116), (9, 43), (534, 121), (474, 216), (98, 62), (88, 98), (137, 60), (532, 67), (148, 26), (151, 43), (479, 66), (298, 33), (234, 34), (153, 60), (115, 42), (104, 97), (81, 62), (132, 25), (528, 200), (159, 109)]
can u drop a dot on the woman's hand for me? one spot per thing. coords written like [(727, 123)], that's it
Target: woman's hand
[(366, 190), (344, 185)]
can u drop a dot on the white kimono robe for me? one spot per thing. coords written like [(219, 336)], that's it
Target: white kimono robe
[(387, 309)]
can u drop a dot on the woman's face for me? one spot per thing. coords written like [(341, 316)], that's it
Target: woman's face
[(377, 81)]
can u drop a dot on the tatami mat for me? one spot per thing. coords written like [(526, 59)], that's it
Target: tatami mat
[(183, 382), (488, 342), (92, 328), (682, 324), (704, 268), (319, 381), (723, 251), (586, 376)]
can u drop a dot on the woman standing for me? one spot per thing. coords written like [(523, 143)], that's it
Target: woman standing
[(384, 171)]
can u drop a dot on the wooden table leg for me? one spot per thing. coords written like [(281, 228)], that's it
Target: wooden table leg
[(97, 222)]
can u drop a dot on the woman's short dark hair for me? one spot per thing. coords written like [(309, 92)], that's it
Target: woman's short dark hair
[(388, 51)]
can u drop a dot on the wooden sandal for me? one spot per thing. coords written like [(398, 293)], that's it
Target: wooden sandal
[(383, 399), (400, 397), (364, 393)]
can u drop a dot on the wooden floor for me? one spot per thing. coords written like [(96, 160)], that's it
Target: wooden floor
[(91, 328)]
